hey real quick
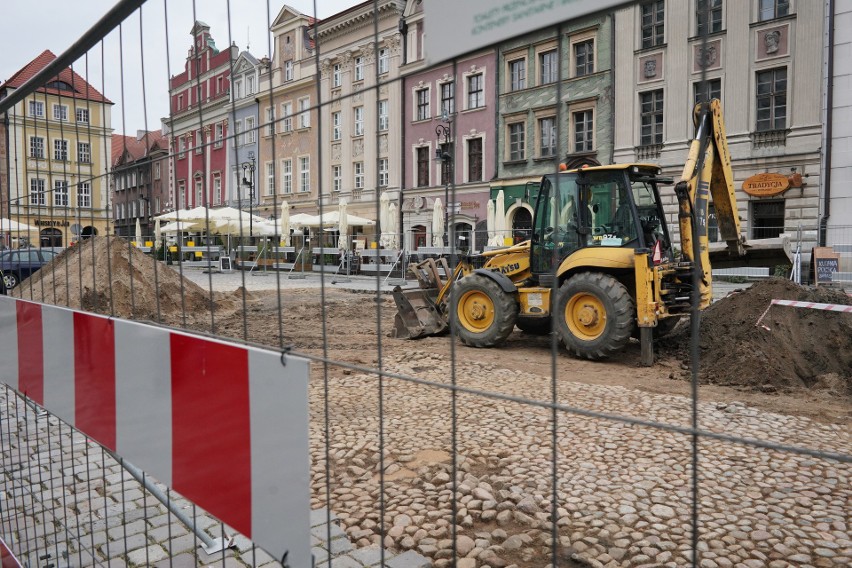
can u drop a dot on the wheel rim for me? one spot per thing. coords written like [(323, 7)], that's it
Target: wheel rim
[(476, 311), (585, 315)]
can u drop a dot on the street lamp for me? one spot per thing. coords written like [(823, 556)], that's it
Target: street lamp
[(444, 152), (248, 181)]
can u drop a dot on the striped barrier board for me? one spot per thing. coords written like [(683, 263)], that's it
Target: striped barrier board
[(225, 425), (813, 306), (7, 557)]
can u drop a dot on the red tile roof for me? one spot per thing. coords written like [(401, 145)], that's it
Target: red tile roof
[(82, 89), (136, 148)]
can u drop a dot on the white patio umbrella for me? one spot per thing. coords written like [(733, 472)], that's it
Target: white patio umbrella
[(489, 220), (343, 226), (231, 221), (194, 215), (384, 205), (393, 227), (438, 223), (500, 229), (179, 227), (138, 234), (284, 223), (12, 226)]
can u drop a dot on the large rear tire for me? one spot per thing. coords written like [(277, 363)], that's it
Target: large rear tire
[(594, 315), (485, 314)]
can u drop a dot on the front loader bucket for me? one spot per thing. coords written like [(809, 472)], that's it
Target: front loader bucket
[(417, 315)]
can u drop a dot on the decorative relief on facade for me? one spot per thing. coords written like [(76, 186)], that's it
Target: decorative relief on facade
[(358, 97), (773, 42), (369, 53), (325, 68), (707, 58), (358, 147), (346, 59), (335, 152), (651, 67), (395, 43), (383, 89), (383, 144)]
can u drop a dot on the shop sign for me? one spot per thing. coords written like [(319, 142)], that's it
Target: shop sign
[(766, 185)]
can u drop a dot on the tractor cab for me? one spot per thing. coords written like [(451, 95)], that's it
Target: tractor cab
[(598, 207)]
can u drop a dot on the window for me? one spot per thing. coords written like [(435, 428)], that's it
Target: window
[(547, 66), (270, 121), (474, 159), (199, 142), (250, 85), (771, 9), (335, 75), (238, 89), (359, 68), (37, 194), (335, 126), (547, 136), (584, 131), (715, 16), (772, 99), (251, 133), (517, 137), (217, 190), (238, 133), (181, 195), (182, 146), (287, 115), (199, 193), (220, 135), (359, 175), (304, 174), (60, 112), (37, 109), (287, 176), (60, 193), (336, 178), (712, 90), (448, 98), (36, 147), (653, 23), (383, 115), (60, 150), (475, 93), (304, 113), (384, 60), (651, 110), (422, 167), (446, 163), (359, 121), (119, 211), (423, 104), (83, 115), (767, 219), (84, 195), (157, 174), (270, 178), (517, 74), (383, 172), (288, 70), (584, 58), (84, 153), (219, 84), (133, 210)]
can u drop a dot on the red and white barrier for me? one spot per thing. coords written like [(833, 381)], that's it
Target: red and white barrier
[(7, 558), (813, 306), (223, 424)]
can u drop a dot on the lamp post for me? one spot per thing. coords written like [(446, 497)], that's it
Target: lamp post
[(248, 181), (444, 152)]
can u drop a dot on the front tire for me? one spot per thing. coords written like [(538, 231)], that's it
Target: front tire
[(484, 313), (594, 315)]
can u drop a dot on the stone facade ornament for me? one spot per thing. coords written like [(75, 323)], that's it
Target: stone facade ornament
[(395, 43), (369, 53), (325, 68), (383, 144), (706, 57), (335, 151), (772, 41), (358, 148), (650, 68)]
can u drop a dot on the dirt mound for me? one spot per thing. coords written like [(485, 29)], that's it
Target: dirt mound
[(794, 348), (97, 276)]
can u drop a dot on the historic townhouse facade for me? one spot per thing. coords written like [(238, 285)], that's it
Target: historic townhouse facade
[(139, 181), (361, 135), (763, 60), (288, 155), (530, 116), (59, 151), (448, 116), (242, 190), (198, 123)]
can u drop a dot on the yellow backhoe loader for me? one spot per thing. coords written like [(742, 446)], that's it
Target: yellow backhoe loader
[(599, 266)]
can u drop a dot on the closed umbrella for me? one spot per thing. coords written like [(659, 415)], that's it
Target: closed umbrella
[(138, 234), (489, 220), (384, 205), (500, 230), (438, 224), (285, 223), (343, 226), (393, 227)]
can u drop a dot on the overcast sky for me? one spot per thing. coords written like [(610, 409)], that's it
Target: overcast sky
[(31, 26)]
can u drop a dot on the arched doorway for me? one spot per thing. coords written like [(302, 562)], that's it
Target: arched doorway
[(521, 224), (50, 238), (88, 231)]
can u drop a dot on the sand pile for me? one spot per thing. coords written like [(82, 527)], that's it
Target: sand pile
[(106, 276), (802, 348)]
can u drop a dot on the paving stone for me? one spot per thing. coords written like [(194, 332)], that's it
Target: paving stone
[(409, 559)]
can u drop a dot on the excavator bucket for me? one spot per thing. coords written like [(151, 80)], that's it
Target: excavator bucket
[(417, 314)]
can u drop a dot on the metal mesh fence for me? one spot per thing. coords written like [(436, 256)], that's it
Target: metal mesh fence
[(424, 453)]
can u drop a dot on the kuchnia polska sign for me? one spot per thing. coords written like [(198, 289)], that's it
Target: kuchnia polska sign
[(454, 28)]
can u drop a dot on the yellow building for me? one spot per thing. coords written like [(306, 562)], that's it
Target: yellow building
[(58, 147)]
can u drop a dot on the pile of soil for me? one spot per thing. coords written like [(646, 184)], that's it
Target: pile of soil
[(96, 276), (792, 348)]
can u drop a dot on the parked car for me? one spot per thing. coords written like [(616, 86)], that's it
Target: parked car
[(16, 265)]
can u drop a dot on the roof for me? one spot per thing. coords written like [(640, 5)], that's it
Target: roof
[(81, 89), (135, 146)]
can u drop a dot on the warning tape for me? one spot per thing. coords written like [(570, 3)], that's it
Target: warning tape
[(809, 305)]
